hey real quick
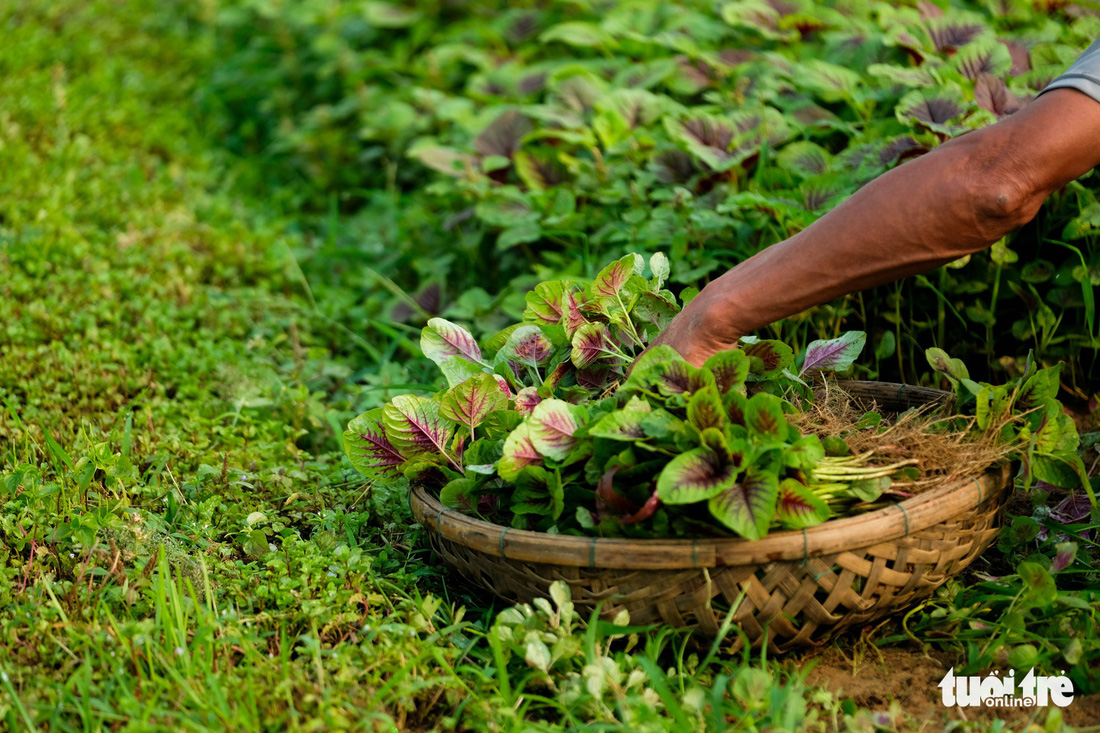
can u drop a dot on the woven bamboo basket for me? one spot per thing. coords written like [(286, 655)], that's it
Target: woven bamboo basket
[(789, 589)]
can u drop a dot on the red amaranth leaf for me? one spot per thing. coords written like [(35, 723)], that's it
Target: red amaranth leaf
[(414, 426), (441, 339), (368, 448)]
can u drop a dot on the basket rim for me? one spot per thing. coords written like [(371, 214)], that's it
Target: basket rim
[(835, 535)]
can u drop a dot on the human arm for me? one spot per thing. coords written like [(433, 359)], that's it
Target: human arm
[(960, 198)]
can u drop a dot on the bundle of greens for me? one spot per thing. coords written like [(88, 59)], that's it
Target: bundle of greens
[(566, 423)]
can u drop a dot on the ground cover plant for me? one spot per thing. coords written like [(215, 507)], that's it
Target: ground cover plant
[(184, 545)]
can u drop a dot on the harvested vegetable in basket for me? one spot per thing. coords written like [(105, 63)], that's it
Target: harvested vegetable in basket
[(543, 428)]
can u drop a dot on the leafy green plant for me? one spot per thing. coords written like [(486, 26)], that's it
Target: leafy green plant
[(568, 423), (584, 130)]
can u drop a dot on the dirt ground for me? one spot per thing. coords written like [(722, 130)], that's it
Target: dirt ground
[(875, 678)]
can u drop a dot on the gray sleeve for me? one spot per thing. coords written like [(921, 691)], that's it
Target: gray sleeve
[(1083, 75)]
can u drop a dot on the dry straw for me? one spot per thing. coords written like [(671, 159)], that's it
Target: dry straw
[(797, 586)]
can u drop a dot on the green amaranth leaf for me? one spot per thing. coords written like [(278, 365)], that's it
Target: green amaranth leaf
[(764, 416), (519, 453), (695, 476), (552, 425), (471, 401), (798, 507), (705, 410), (441, 339), (805, 453), (623, 424), (458, 369), (538, 491), (748, 506)]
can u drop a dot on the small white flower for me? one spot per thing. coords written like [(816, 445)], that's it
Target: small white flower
[(178, 651)]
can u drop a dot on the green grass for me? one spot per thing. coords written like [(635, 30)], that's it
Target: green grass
[(182, 544)]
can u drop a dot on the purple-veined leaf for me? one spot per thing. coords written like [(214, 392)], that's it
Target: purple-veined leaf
[(573, 318), (544, 304), (414, 426), (441, 339), (594, 378), (933, 109), (1065, 553), (748, 506), (900, 148), (526, 400), (674, 166), (471, 401), (833, 355), (695, 475), (730, 368), (805, 453), (764, 416), (625, 423), (591, 343), (949, 34), (458, 494), (503, 135), (557, 374), (804, 159), (735, 403), (502, 384), (609, 283), (767, 358), (648, 509), (707, 138), (681, 378), (519, 452), (993, 95), (1036, 393), (552, 425), (540, 169), (368, 448), (527, 345), (984, 57), (798, 507), (704, 409)]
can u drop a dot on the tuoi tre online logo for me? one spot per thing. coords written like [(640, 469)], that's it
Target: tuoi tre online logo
[(996, 691)]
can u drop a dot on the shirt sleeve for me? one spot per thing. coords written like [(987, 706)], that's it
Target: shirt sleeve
[(1083, 75)]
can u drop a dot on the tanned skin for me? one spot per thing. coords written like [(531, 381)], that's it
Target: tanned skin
[(958, 199)]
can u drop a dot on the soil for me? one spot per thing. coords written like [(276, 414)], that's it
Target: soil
[(875, 678)]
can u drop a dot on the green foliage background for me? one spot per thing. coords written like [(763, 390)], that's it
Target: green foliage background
[(464, 146), (219, 236)]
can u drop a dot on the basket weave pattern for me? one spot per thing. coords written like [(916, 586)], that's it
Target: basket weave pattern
[(790, 588)]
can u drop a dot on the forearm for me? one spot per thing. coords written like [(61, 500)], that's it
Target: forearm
[(956, 200)]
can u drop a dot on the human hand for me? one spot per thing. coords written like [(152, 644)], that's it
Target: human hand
[(703, 328)]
